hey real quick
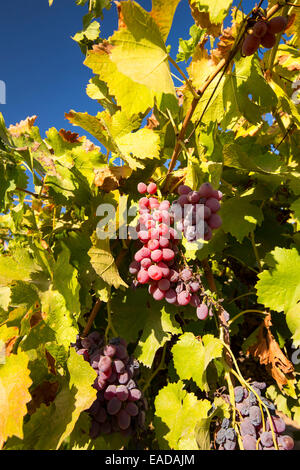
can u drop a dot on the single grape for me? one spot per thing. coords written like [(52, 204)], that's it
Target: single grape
[(143, 235), (146, 263), (221, 436), (151, 188), (164, 269), (260, 28), (186, 274), (247, 428), (109, 350), (238, 394), (142, 188), (183, 298), (252, 398), (195, 301), (144, 202), (164, 205), (155, 273), (105, 363), (229, 445), (268, 40), (194, 286), (250, 44), (124, 420), (158, 294), (110, 392), (119, 366), (123, 378), (208, 234), (167, 254), (183, 189), (113, 406), (215, 221), (194, 197), (183, 200), (122, 392), (205, 190), (134, 394), (277, 24), (278, 423), (266, 439), (131, 409), (131, 384), (255, 415), (171, 296), (121, 351), (163, 242), (202, 312), (213, 204), (225, 423), (156, 255), (249, 442), (230, 434), (143, 276), (287, 442), (259, 385), (164, 284)]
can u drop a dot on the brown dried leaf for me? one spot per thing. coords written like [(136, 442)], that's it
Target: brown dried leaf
[(22, 126), (69, 136), (152, 122), (109, 179), (174, 180), (43, 393), (50, 362), (224, 45), (121, 23), (268, 352)]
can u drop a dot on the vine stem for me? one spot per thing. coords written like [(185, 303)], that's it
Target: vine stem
[(255, 251), (37, 196), (159, 368), (241, 296), (224, 328), (190, 113), (92, 317), (186, 79), (243, 313), (110, 325)]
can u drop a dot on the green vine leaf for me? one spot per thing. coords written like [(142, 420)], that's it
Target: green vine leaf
[(202, 353), (14, 392), (177, 413)]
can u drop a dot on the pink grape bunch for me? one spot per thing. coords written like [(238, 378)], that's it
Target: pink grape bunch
[(156, 261), (193, 207), (254, 434), (119, 406)]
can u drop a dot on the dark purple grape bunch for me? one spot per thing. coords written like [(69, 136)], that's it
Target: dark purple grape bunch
[(254, 428), (195, 212), (263, 34), (120, 406)]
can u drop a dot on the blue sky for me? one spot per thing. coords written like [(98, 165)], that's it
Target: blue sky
[(43, 67)]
